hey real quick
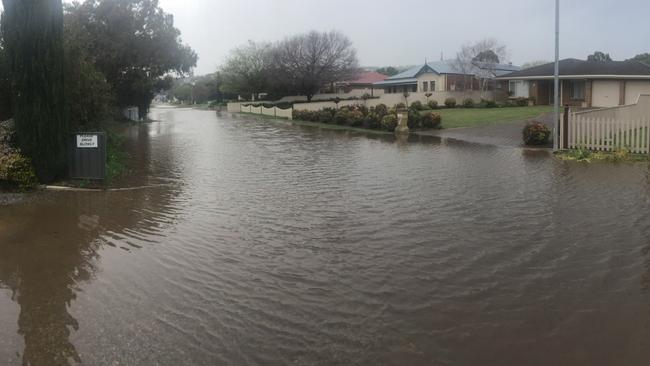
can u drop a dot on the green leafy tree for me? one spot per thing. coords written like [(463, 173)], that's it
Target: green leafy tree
[(599, 56), (388, 71), (643, 57), (88, 95), (134, 44), (33, 39)]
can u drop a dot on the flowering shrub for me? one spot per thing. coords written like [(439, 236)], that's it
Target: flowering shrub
[(381, 110), (355, 118), (536, 133), (431, 120), (17, 170)]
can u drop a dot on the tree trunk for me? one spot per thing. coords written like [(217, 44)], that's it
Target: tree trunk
[(33, 31)]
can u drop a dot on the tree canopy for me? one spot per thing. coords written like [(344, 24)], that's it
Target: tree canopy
[(388, 71), (301, 64), (643, 57), (599, 56), (133, 43)]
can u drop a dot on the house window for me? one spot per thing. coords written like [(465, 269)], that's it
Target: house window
[(414, 88), (433, 85), (577, 90), (425, 86)]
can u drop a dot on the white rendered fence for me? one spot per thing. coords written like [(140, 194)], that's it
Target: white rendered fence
[(607, 134)]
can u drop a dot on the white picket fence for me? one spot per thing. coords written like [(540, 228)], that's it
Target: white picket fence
[(275, 111), (607, 134)]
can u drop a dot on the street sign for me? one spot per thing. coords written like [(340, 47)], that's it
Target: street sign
[(87, 141), (87, 156)]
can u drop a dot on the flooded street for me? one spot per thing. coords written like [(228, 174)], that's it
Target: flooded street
[(265, 243)]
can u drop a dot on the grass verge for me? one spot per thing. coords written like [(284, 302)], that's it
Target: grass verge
[(475, 117), (588, 156)]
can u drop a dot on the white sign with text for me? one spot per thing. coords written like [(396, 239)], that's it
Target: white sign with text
[(87, 141)]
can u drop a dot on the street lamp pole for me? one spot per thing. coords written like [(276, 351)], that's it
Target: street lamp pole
[(556, 134)]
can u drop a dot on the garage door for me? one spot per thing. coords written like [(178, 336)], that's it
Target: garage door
[(633, 88), (605, 93)]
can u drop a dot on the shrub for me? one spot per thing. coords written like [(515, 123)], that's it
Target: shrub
[(414, 119), (450, 102), (468, 103), (417, 105), (400, 106), (342, 116), (536, 133), (381, 110), (16, 170), (355, 118), (373, 120), (326, 115), (433, 104), (521, 102), (485, 103), (431, 120), (389, 122)]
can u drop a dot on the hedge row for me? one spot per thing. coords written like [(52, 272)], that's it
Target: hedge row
[(376, 118)]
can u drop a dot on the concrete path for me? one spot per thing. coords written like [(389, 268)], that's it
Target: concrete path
[(503, 134)]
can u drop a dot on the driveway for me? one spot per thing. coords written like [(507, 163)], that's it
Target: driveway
[(503, 134)]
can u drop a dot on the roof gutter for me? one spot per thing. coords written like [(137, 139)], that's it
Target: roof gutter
[(625, 77)]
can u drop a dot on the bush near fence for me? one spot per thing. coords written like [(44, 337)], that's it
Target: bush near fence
[(370, 118)]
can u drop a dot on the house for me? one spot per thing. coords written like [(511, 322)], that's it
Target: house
[(363, 84), (583, 83), (444, 76)]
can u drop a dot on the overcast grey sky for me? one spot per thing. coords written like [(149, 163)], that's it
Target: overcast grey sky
[(404, 32)]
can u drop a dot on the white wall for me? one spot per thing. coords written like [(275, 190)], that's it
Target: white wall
[(605, 93), (634, 88), (623, 113), (392, 99)]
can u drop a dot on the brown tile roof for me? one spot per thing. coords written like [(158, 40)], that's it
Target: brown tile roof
[(368, 77)]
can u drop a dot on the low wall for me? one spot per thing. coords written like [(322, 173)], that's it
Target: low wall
[(631, 112), (392, 99), (238, 107)]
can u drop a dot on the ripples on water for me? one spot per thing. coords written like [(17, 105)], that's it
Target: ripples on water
[(279, 244)]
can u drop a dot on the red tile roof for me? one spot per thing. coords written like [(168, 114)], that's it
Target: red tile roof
[(368, 77)]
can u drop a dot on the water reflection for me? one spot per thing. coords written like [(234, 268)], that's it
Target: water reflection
[(285, 244), (50, 246)]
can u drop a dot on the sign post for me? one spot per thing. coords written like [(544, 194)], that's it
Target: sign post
[(87, 156)]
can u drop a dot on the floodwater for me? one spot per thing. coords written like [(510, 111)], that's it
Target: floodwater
[(267, 243)]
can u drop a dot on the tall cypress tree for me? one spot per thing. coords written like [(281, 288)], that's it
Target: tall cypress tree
[(33, 35)]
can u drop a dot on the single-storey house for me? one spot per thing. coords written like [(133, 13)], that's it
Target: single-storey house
[(442, 76), (363, 84), (582, 83)]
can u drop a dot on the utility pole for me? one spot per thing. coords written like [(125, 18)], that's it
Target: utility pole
[(556, 130)]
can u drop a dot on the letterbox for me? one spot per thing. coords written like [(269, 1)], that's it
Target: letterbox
[(87, 157)]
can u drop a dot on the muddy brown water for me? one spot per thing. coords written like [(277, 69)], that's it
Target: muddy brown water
[(267, 243)]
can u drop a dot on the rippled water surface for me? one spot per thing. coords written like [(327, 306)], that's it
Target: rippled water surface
[(267, 243)]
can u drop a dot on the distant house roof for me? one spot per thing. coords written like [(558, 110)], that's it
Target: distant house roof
[(367, 77), (442, 67), (574, 68)]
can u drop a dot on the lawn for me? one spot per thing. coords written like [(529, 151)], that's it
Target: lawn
[(474, 117)]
